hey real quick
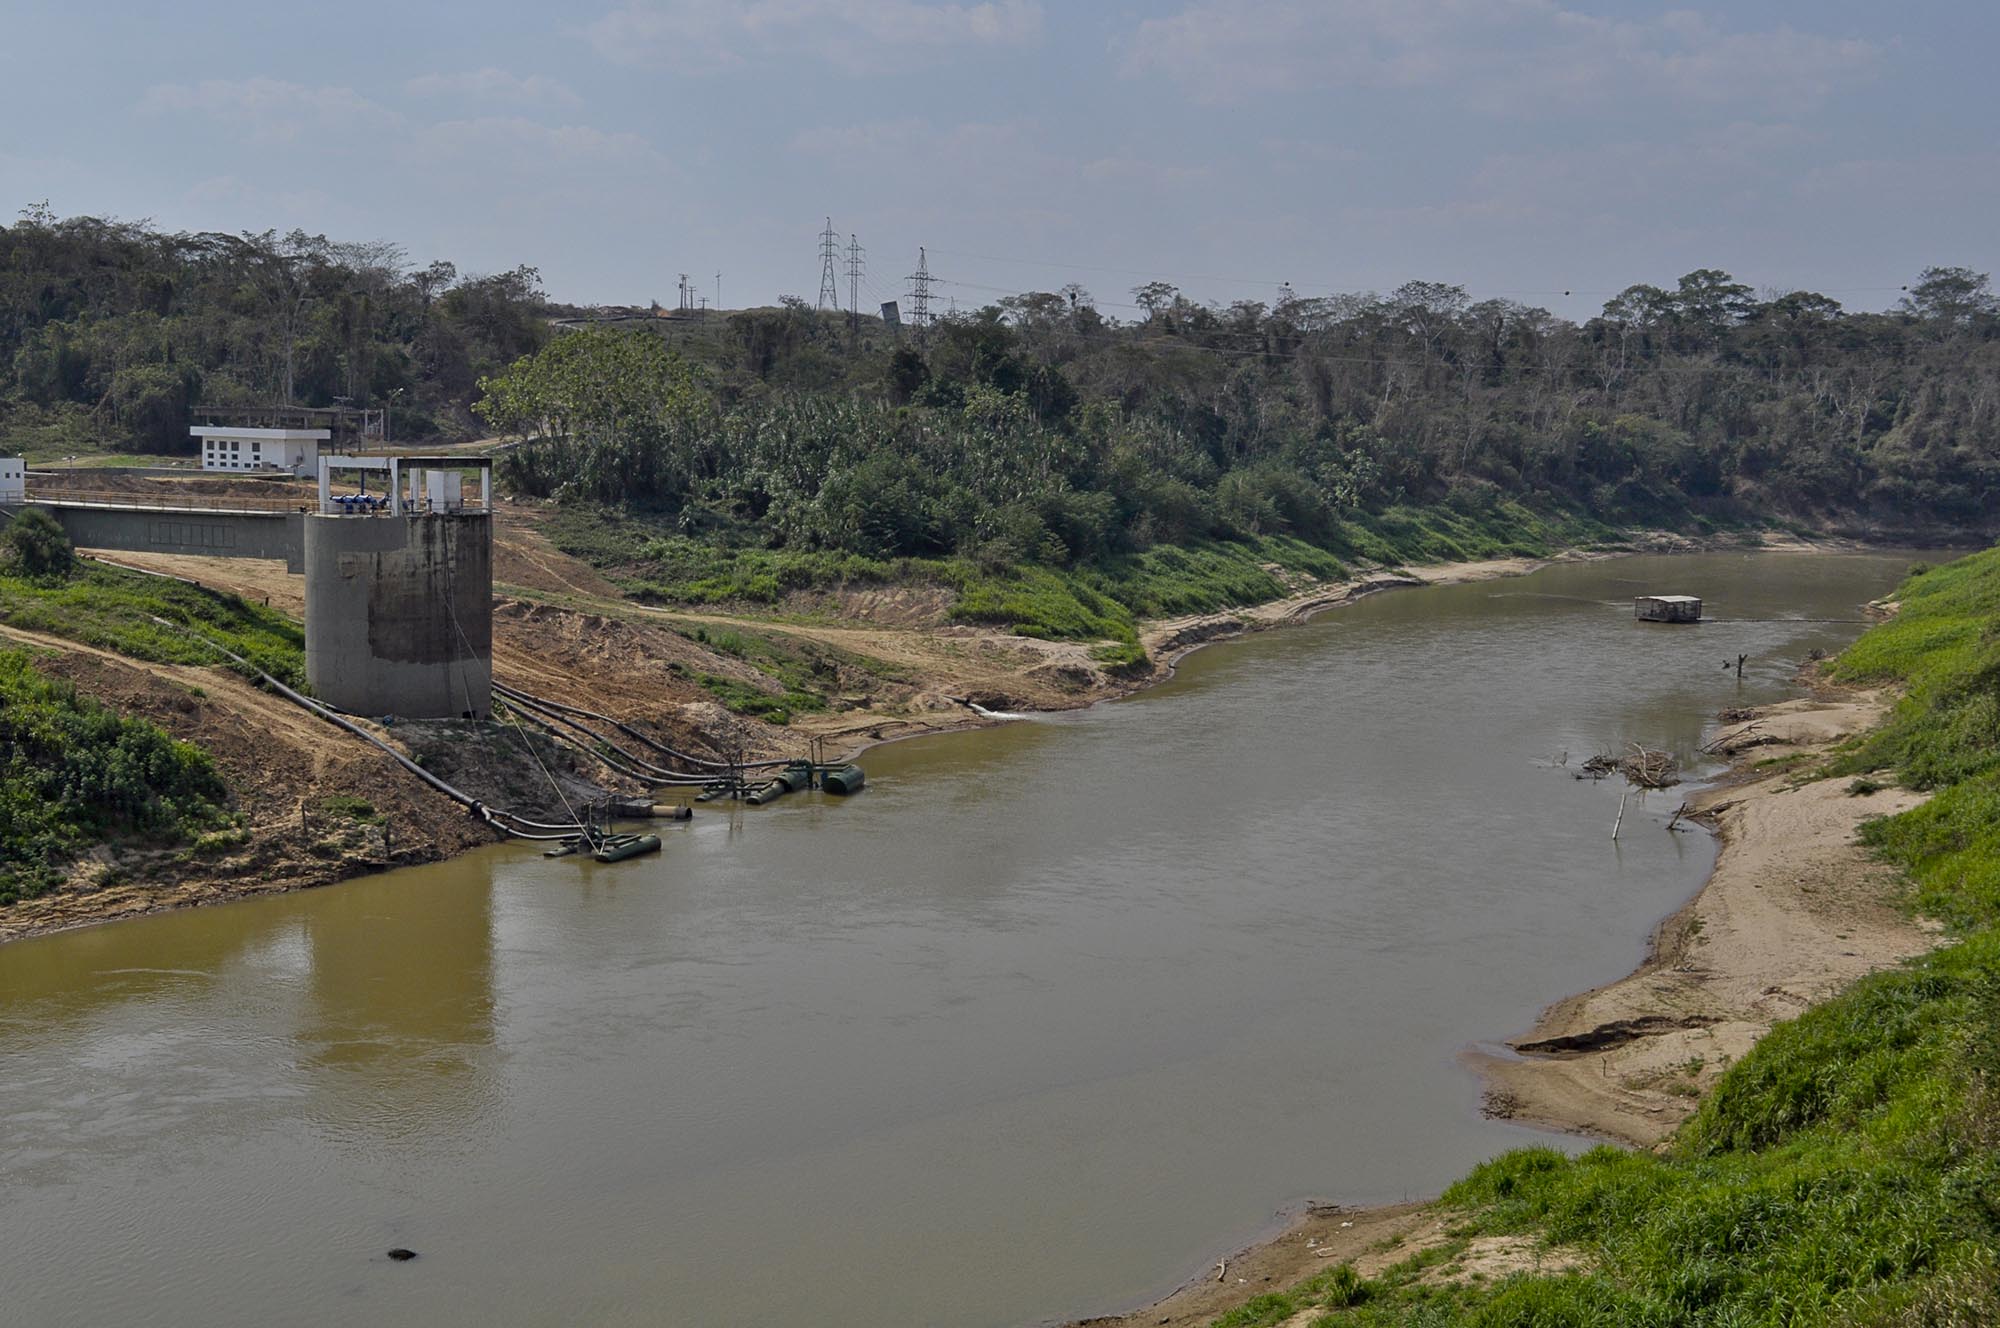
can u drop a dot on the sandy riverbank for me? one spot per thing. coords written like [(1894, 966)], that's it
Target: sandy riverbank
[(1794, 911)]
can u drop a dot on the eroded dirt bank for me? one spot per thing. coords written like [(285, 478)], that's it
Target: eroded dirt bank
[(319, 805)]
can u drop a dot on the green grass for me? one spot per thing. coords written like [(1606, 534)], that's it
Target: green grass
[(114, 609), (741, 698), (1846, 1170), (1102, 603), (74, 774), (806, 673), (350, 808)]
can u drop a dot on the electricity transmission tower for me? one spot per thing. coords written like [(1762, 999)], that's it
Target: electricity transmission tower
[(829, 251), (920, 294), (856, 265)]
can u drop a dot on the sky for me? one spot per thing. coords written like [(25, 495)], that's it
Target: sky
[(1550, 151)]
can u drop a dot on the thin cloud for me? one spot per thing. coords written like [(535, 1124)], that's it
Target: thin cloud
[(269, 108), (1517, 55), (859, 36), (491, 84), (511, 143)]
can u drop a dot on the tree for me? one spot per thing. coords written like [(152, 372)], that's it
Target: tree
[(612, 416), (1643, 307), (1710, 301), (37, 547), (1156, 297), (1950, 296)]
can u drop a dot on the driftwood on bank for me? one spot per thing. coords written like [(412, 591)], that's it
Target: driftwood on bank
[(1640, 765)]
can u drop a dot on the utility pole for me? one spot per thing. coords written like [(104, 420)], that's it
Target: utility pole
[(856, 261), (718, 290), (920, 295), (829, 251)]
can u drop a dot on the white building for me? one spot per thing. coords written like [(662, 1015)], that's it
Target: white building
[(228, 448), (13, 480)]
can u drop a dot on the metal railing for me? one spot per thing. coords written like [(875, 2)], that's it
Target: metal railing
[(173, 501)]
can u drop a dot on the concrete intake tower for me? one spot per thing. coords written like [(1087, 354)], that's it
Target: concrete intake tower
[(399, 590)]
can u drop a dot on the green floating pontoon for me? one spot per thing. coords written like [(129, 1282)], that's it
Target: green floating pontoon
[(796, 777), (606, 848), (847, 779), (792, 779), (617, 848)]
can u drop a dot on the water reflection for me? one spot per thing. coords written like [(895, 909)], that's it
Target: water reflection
[(396, 1037)]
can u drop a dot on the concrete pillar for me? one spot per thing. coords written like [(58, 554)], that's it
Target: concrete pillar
[(399, 614)]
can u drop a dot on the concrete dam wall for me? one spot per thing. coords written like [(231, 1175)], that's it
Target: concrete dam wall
[(399, 614), (273, 535)]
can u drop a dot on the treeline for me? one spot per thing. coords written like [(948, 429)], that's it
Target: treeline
[(1039, 430), (111, 331)]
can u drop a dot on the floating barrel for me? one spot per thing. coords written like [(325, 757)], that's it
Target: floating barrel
[(796, 778), (770, 792), (847, 779)]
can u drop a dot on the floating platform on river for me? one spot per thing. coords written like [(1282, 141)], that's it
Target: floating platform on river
[(617, 848), (795, 777), (1667, 608), (605, 847)]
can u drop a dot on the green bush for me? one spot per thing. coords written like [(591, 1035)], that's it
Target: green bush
[(73, 774), (37, 547)]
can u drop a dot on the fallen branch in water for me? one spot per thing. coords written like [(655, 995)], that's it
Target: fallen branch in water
[(1651, 769)]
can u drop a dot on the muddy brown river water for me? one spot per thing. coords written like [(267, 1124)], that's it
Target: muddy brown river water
[(1040, 1022)]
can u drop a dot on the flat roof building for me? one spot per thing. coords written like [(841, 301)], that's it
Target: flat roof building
[(228, 447)]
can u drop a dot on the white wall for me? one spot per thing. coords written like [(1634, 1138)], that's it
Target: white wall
[(251, 454), (13, 479)]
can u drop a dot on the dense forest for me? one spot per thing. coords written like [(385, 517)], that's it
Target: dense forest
[(111, 331), (1039, 430)]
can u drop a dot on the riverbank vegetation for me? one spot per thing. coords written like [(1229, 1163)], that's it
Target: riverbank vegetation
[(1039, 452), (1846, 1171), (145, 617), (73, 774)]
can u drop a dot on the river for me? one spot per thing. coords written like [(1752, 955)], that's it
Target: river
[(1043, 1019)]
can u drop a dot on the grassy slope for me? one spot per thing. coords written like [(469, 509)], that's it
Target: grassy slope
[(1101, 603), (1847, 1171), (115, 610), (74, 774)]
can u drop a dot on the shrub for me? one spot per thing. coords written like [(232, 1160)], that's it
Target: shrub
[(37, 547), (73, 773)]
